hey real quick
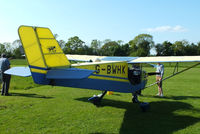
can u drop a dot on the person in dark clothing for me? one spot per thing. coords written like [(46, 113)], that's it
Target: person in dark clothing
[(4, 65)]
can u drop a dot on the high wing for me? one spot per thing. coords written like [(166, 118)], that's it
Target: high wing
[(92, 58), (85, 58), (162, 59), (154, 59)]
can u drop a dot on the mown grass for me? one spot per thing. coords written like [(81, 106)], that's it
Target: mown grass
[(21, 82), (47, 109), (18, 62)]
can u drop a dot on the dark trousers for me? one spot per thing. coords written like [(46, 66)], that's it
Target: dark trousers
[(5, 84)]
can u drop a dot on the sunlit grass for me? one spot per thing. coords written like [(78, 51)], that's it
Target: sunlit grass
[(18, 62)]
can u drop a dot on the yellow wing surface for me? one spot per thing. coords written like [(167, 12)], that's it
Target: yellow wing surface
[(41, 48)]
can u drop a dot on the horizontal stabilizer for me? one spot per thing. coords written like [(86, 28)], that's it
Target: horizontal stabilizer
[(69, 73), (19, 71)]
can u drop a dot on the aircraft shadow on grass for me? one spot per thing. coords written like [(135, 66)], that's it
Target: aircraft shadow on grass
[(30, 95), (160, 119), (174, 97)]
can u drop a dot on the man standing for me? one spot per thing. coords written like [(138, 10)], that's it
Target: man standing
[(159, 69), (4, 65)]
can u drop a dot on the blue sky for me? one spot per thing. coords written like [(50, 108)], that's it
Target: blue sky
[(170, 20)]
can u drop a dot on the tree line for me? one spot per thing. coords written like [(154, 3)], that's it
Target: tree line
[(141, 45), (179, 48), (12, 50)]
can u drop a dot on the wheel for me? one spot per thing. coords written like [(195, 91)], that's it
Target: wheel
[(144, 106)]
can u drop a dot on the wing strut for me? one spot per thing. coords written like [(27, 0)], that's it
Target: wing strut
[(176, 67)]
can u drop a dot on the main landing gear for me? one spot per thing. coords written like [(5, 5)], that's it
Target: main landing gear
[(143, 105), (96, 99)]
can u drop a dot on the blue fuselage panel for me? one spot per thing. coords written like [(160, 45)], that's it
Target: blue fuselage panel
[(88, 83), (103, 85)]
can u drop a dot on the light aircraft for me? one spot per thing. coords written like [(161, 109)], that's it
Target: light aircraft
[(48, 65)]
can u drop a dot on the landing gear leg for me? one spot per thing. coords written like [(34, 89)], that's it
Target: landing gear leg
[(135, 98), (96, 99), (143, 105)]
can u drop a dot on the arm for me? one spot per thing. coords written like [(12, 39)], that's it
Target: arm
[(153, 65)]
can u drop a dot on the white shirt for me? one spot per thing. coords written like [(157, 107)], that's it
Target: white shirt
[(159, 69)]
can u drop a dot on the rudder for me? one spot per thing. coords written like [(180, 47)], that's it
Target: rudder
[(42, 51)]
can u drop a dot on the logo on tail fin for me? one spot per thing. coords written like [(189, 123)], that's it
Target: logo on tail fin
[(52, 49)]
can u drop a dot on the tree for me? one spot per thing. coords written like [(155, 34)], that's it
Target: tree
[(159, 49), (168, 48), (16, 43), (164, 49), (125, 50), (61, 43), (17, 53), (110, 48), (85, 50), (2, 48), (73, 45), (191, 49), (7, 49), (141, 45), (198, 48), (96, 45), (179, 47)]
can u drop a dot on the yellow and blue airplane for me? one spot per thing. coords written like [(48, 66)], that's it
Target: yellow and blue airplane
[(48, 65)]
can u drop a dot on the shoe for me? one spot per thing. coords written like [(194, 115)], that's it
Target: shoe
[(161, 95), (7, 94)]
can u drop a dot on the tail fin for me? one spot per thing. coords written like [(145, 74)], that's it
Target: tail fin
[(42, 51)]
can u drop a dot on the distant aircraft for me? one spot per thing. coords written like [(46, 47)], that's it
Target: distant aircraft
[(48, 65)]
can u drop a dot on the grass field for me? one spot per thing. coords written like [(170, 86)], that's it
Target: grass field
[(45, 109)]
